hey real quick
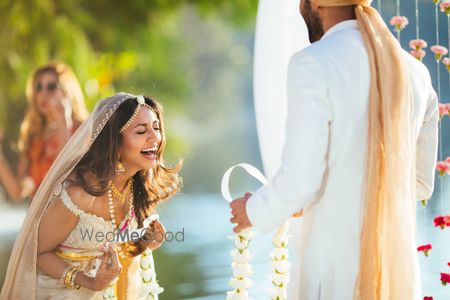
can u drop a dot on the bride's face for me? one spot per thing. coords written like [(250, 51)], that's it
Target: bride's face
[(141, 140)]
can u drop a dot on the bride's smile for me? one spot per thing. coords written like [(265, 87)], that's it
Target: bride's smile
[(141, 142)]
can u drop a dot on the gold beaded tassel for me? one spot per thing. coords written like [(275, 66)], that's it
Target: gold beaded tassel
[(119, 288), (112, 213)]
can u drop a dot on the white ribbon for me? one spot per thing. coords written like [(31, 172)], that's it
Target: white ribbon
[(251, 170)]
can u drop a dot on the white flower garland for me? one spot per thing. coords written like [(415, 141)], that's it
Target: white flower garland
[(241, 255), (151, 288), (241, 266), (280, 264), (110, 292)]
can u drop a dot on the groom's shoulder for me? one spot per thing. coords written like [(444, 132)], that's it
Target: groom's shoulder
[(340, 45), (314, 54)]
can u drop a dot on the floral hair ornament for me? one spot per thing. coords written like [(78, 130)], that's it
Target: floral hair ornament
[(140, 103)]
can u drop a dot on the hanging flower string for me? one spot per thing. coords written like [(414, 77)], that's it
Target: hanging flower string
[(151, 288), (417, 47), (280, 264), (241, 267), (399, 23)]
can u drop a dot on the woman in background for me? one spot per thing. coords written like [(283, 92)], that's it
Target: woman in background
[(56, 109)]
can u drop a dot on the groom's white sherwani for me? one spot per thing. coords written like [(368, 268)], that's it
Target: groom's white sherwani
[(323, 162)]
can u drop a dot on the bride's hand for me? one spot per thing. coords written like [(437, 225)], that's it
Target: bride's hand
[(109, 269), (154, 235)]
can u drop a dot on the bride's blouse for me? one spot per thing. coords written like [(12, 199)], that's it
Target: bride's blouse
[(82, 248)]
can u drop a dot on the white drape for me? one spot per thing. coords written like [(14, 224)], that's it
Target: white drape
[(280, 32)]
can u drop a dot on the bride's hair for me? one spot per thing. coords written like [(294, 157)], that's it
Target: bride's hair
[(150, 186)]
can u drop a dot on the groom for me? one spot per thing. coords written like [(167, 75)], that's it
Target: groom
[(361, 145)]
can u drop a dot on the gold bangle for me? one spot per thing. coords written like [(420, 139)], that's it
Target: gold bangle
[(73, 278), (68, 277), (62, 279)]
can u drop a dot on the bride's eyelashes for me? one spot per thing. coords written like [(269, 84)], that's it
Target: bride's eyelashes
[(155, 129)]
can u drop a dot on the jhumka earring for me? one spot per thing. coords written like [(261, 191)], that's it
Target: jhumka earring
[(120, 167)]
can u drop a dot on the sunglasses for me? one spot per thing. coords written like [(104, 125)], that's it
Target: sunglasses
[(50, 87)]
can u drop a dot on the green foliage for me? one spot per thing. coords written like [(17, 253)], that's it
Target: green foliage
[(144, 47)]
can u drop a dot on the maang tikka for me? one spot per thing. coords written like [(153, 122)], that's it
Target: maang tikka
[(140, 102)]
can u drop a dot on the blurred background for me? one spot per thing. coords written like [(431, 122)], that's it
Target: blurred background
[(195, 57)]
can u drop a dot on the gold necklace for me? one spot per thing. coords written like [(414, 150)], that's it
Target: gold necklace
[(122, 196), (112, 214)]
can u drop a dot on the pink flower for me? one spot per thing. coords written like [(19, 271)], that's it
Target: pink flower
[(399, 22), (417, 44), (443, 109), (425, 249), (446, 62), (445, 278), (445, 7), (439, 221), (439, 51), (447, 220), (419, 54), (443, 167)]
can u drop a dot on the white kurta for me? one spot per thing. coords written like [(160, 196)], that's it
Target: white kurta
[(323, 161)]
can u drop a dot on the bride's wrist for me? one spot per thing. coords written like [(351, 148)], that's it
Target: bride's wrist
[(86, 281)]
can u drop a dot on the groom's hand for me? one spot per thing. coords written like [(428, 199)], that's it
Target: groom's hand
[(239, 212)]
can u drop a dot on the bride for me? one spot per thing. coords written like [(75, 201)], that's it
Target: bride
[(109, 178)]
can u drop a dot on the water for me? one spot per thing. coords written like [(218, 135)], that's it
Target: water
[(199, 267)]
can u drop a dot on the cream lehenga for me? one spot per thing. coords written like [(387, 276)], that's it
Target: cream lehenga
[(23, 279)]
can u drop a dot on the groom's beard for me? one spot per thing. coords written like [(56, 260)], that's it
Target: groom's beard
[(313, 22)]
